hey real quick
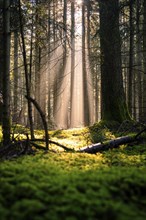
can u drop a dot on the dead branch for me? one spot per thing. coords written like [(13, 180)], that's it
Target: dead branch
[(43, 120), (25, 146), (52, 142)]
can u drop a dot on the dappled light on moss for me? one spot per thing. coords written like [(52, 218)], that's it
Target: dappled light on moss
[(71, 186), (49, 189)]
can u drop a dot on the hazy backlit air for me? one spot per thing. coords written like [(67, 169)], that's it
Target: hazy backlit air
[(68, 107)]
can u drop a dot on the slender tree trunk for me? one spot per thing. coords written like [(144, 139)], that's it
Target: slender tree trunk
[(55, 87), (72, 63), (6, 72), (49, 70), (27, 79), (90, 72), (37, 83), (139, 61), (144, 61), (113, 105), (1, 63), (84, 70), (65, 31), (15, 115), (131, 56), (37, 120)]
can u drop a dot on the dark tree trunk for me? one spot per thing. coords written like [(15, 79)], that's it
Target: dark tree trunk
[(27, 76), (131, 56), (1, 61), (72, 62), (6, 72), (49, 69), (56, 83), (139, 60), (84, 70), (113, 106), (15, 110), (144, 61), (38, 51)]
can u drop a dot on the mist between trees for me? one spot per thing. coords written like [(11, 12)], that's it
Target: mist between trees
[(81, 61)]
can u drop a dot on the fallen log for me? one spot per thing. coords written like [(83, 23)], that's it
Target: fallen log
[(99, 147), (25, 146), (115, 143)]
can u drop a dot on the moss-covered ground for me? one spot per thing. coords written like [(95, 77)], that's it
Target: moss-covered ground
[(75, 186)]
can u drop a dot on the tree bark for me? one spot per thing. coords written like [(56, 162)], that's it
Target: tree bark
[(6, 73), (38, 54), (1, 61), (15, 114), (131, 56), (84, 70), (100, 147), (144, 61), (27, 79), (113, 104), (138, 60), (72, 62)]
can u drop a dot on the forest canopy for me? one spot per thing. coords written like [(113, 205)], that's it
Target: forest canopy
[(81, 61)]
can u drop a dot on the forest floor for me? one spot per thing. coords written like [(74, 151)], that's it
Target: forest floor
[(75, 186)]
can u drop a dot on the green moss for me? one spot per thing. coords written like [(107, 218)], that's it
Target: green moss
[(116, 110), (3, 212), (27, 209), (73, 186), (102, 131)]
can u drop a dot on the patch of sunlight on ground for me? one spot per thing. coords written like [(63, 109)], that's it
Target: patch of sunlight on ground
[(71, 186), (72, 138)]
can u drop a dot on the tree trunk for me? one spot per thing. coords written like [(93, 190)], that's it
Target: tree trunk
[(131, 54), (49, 69), (27, 79), (15, 110), (38, 54), (84, 70), (1, 62), (113, 105), (72, 64), (6, 72), (144, 61), (138, 61)]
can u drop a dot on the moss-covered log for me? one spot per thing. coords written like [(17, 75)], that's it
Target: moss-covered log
[(99, 147), (115, 143)]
